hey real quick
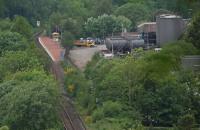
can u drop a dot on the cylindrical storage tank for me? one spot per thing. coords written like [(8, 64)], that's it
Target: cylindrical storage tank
[(117, 44), (137, 43), (169, 28)]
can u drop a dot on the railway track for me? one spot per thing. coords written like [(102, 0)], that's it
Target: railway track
[(67, 123), (70, 118)]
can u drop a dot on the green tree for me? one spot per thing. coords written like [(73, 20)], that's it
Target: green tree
[(5, 24), (12, 62), (22, 26), (151, 84), (67, 39), (34, 97), (11, 41), (135, 12), (193, 31), (106, 25), (186, 122), (103, 7)]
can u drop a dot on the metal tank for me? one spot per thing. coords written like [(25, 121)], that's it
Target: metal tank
[(123, 45), (137, 43), (169, 28), (117, 44)]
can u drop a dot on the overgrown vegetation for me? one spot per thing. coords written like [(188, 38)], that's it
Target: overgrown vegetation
[(70, 16), (28, 93)]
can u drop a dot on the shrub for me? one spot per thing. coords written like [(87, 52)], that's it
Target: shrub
[(186, 122), (111, 109), (97, 114), (4, 128), (193, 31)]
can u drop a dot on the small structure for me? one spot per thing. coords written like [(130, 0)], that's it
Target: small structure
[(191, 62), (56, 36), (157, 49), (106, 54), (38, 23), (169, 28)]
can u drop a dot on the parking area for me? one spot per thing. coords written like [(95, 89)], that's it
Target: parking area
[(80, 56)]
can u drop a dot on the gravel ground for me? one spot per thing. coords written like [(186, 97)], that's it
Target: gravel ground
[(80, 56)]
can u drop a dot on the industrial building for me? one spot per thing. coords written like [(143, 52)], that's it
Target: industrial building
[(148, 32), (167, 28)]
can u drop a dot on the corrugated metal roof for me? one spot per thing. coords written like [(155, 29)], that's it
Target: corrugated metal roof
[(147, 23)]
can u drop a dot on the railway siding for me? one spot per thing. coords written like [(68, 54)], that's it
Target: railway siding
[(70, 118)]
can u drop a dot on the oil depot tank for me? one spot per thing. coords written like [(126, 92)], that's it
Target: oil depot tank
[(120, 44), (117, 44), (137, 43), (169, 28)]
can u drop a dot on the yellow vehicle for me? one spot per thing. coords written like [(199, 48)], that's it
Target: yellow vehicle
[(86, 43)]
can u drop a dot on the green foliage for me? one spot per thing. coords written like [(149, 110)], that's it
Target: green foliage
[(103, 7), (12, 62), (106, 25), (186, 122), (193, 31), (33, 99), (135, 12), (111, 109), (7, 87), (11, 41), (67, 39), (22, 26), (29, 9), (98, 114), (27, 93), (5, 24), (4, 128), (152, 85)]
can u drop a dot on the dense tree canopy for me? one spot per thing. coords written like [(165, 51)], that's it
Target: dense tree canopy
[(12, 41), (193, 31), (28, 94), (79, 11), (135, 12), (152, 84), (105, 25), (27, 105)]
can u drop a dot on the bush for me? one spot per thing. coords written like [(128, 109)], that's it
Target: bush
[(4, 128), (111, 109), (186, 122), (11, 41), (193, 31), (22, 26), (97, 114)]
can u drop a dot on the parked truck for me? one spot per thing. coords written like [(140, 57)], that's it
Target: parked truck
[(89, 42)]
